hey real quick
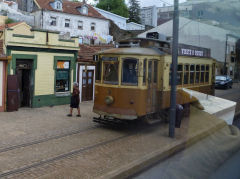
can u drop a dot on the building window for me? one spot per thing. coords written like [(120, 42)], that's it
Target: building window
[(53, 21), (85, 10), (92, 41), (63, 76), (200, 13), (80, 25), (58, 5), (93, 26), (67, 22)]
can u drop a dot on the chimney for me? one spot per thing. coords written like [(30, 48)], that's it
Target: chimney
[(84, 1)]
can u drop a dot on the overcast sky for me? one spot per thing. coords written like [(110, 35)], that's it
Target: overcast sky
[(145, 3)]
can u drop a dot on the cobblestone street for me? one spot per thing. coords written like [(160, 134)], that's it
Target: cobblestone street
[(30, 124), (45, 143)]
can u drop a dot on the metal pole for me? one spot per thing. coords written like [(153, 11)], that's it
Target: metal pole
[(225, 61), (174, 70)]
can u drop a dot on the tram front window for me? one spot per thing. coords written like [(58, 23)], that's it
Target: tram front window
[(129, 72), (110, 75)]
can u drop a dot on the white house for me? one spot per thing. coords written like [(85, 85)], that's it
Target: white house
[(120, 21), (203, 35), (135, 26), (73, 18)]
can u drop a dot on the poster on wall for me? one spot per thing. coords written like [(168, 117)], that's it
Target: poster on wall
[(63, 65)]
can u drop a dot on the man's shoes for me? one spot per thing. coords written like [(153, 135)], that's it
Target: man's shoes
[(78, 115), (69, 115)]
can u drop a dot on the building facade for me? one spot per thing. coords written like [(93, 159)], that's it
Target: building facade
[(148, 16), (221, 43), (73, 19), (43, 66), (3, 81)]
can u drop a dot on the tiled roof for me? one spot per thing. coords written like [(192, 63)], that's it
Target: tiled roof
[(2, 27), (86, 52), (70, 8)]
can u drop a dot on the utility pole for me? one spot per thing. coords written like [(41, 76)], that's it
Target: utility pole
[(174, 70), (226, 51)]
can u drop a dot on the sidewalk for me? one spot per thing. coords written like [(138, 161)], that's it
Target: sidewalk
[(29, 124)]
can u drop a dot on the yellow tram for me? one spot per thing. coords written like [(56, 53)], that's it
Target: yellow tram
[(133, 81)]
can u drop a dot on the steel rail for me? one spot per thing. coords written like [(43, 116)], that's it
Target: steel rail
[(59, 157), (9, 148)]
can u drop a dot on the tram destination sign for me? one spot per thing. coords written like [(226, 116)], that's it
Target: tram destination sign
[(193, 51)]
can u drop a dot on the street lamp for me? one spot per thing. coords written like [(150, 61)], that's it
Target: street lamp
[(174, 70)]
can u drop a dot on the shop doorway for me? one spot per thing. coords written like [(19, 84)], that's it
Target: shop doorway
[(24, 75), (87, 85)]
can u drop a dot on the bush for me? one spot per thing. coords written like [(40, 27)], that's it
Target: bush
[(9, 21)]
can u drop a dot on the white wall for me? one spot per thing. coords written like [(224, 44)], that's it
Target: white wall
[(120, 21), (1, 83), (101, 28)]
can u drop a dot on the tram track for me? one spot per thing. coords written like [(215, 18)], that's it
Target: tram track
[(34, 142), (59, 157), (32, 165)]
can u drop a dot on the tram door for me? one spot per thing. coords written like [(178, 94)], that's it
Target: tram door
[(152, 86)]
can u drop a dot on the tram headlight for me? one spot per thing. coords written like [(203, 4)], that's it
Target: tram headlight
[(109, 100)]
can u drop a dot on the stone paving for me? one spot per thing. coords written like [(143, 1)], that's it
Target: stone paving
[(110, 158), (28, 125), (33, 124)]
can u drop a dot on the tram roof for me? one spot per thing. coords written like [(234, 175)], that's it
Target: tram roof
[(133, 51)]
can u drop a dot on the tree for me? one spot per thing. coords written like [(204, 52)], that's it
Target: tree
[(134, 11), (118, 7)]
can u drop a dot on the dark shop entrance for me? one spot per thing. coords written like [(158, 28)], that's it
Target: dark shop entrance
[(25, 82)]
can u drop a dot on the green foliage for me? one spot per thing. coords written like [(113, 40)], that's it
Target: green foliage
[(118, 7), (134, 11), (9, 21)]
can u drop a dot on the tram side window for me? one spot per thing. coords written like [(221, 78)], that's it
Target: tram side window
[(130, 71), (207, 74), (197, 74), (192, 74), (144, 71), (110, 73), (150, 71), (186, 74), (180, 75), (202, 73), (155, 71), (98, 71)]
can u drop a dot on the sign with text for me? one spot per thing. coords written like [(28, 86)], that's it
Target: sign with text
[(193, 51)]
